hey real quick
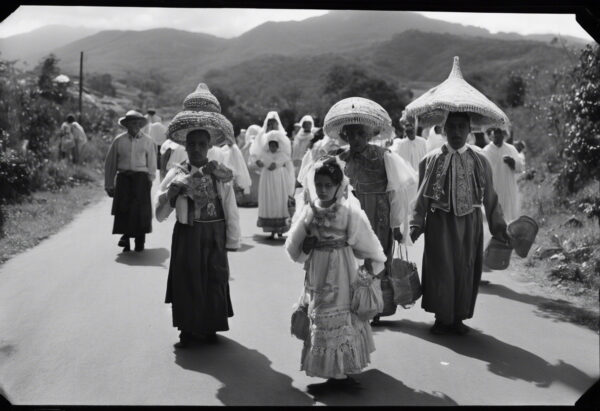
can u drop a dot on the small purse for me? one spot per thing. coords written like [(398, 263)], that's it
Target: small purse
[(300, 324), (367, 299), (405, 281)]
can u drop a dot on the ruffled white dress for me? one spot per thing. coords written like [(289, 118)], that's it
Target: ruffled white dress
[(339, 343)]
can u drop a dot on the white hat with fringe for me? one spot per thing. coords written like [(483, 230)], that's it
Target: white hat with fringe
[(456, 95), (357, 110)]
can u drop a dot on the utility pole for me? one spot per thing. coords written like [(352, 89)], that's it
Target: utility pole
[(80, 84)]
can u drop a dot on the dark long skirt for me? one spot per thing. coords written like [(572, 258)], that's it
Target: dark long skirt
[(452, 264), (197, 286), (377, 208), (132, 205)]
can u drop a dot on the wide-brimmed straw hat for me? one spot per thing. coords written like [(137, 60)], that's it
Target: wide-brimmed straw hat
[(202, 100), (131, 115), (456, 95), (219, 128), (357, 110)]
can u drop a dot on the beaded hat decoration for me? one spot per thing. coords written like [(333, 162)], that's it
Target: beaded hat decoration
[(202, 100)]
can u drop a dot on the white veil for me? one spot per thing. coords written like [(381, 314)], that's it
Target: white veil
[(259, 142)]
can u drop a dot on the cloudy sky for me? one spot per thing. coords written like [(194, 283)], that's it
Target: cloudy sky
[(233, 22)]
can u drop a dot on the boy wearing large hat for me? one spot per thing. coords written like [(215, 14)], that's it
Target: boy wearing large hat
[(201, 193), (455, 182), (129, 169)]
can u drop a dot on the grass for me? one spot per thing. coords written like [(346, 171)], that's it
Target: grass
[(571, 298), (45, 213)]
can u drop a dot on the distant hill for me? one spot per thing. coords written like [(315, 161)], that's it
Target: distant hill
[(34, 45), (382, 42), (167, 51), (411, 59), (414, 55)]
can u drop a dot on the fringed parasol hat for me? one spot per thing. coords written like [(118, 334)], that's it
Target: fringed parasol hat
[(202, 111), (456, 95), (357, 110)]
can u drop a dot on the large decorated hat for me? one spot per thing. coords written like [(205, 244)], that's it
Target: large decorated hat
[(202, 100), (219, 128), (202, 111), (357, 110), (456, 95)]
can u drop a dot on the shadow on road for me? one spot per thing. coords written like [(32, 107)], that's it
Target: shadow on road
[(376, 388), (503, 359), (558, 310), (148, 257), (246, 374), (244, 247), (265, 240)]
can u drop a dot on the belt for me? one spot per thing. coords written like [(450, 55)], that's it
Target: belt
[(209, 221), (330, 244)]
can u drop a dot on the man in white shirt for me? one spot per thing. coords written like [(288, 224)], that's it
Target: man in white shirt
[(506, 165), (412, 148)]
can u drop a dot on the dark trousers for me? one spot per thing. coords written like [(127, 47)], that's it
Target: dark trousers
[(140, 240)]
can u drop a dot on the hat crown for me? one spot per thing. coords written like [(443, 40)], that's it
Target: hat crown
[(456, 72), (202, 100), (133, 113)]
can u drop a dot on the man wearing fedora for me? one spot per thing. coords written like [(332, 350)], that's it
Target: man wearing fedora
[(129, 170)]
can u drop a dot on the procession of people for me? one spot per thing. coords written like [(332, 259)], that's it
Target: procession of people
[(341, 203)]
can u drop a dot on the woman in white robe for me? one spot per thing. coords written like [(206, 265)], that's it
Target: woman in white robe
[(253, 171), (302, 141), (277, 183)]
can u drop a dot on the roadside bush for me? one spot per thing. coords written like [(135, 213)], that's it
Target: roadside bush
[(15, 175)]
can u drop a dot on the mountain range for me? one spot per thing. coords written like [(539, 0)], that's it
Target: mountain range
[(400, 46)]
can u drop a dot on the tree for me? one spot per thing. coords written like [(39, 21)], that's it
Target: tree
[(343, 81), (514, 91), (48, 70), (581, 148), (102, 83)]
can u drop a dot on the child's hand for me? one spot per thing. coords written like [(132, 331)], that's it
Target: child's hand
[(272, 166), (308, 244), (260, 163)]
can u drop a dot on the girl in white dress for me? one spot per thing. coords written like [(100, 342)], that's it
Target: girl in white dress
[(329, 235)]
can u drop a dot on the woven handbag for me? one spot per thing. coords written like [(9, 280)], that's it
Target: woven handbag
[(300, 322), (404, 277)]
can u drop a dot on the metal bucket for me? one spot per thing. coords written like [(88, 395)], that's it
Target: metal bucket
[(497, 254), (522, 233)]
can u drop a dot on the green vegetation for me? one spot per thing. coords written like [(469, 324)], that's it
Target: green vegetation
[(32, 107)]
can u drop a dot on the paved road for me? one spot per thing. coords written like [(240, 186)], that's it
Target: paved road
[(81, 323)]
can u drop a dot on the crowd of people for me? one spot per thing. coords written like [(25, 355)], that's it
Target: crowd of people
[(346, 194)]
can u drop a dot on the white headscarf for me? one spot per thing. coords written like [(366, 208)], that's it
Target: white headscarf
[(251, 134), (310, 120), (259, 142), (309, 193), (280, 138)]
